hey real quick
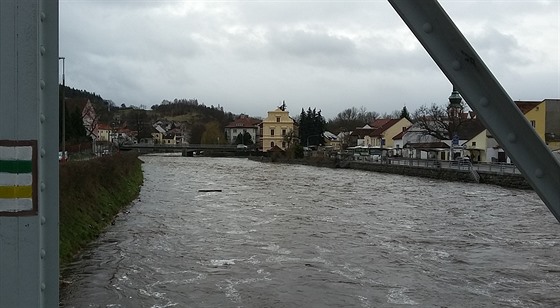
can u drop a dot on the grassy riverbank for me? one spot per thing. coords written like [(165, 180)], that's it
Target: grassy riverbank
[(92, 192)]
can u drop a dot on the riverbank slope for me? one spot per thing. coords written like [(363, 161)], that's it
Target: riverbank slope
[(92, 192)]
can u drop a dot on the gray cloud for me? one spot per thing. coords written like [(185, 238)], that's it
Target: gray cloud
[(248, 56)]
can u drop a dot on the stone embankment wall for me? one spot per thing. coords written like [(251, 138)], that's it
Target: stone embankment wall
[(92, 193), (433, 173), (506, 180)]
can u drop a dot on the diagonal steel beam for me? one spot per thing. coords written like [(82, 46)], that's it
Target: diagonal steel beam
[(467, 72)]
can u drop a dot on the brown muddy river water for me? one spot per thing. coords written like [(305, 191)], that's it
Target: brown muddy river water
[(300, 236)]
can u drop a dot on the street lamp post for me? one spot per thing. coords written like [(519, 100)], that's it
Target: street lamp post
[(63, 110)]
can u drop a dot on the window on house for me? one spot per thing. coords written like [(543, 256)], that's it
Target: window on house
[(277, 119), (533, 123), (272, 144), (283, 144), (272, 132), (473, 143), (283, 132)]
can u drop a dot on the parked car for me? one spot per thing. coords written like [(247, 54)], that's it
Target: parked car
[(461, 161)]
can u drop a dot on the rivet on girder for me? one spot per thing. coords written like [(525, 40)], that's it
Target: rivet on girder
[(43, 220), (42, 118), (456, 65), (43, 253), (42, 50), (512, 137), (427, 27), (43, 286), (43, 152), (43, 16), (43, 186), (42, 84), (539, 173)]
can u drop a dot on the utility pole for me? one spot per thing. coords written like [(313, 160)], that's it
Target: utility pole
[(63, 110)]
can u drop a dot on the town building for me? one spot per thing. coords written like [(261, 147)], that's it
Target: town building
[(243, 125), (103, 132), (384, 131), (276, 128)]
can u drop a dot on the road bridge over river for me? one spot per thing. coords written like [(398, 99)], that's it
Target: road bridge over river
[(189, 149)]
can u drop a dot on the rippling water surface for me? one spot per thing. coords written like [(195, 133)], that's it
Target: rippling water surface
[(300, 236)]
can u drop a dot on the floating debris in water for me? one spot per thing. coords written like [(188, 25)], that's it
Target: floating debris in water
[(209, 190)]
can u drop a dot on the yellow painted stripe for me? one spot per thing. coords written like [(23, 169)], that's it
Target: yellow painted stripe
[(16, 192)]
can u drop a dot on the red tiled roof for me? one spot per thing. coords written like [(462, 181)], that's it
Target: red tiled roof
[(379, 123), (526, 106), (470, 129), (362, 131), (386, 124), (401, 134), (244, 122)]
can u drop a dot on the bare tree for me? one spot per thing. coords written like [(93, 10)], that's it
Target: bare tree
[(290, 137), (440, 122), (351, 118)]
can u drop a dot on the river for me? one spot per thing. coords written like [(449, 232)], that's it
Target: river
[(299, 236)]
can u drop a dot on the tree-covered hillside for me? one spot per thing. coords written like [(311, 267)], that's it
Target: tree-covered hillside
[(201, 121)]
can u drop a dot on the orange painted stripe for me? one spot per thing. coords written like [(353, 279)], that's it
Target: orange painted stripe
[(16, 192)]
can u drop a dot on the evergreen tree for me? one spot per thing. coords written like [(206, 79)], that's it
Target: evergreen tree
[(404, 114), (75, 130), (311, 127), (244, 138)]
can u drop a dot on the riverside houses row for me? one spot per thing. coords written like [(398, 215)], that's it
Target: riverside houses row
[(395, 137)]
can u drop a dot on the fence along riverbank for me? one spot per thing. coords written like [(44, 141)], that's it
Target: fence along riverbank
[(504, 176)]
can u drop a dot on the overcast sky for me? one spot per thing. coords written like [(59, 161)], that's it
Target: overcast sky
[(249, 56)]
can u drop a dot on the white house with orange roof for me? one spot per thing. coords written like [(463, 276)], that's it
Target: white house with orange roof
[(103, 132), (242, 125), (384, 131)]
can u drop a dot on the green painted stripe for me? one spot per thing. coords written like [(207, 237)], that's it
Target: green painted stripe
[(16, 166), (13, 192)]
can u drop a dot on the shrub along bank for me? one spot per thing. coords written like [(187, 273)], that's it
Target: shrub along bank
[(92, 192)]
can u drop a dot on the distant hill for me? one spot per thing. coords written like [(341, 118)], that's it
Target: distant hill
[(190, 111), (194, 116)]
